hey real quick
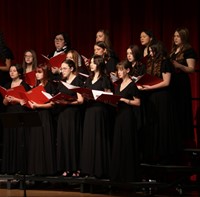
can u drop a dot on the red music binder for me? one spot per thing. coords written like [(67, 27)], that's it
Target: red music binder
[(148, 79), (30, 78), (57, 60), (15, 92), (106, 97), (63, 96), (35, 95)]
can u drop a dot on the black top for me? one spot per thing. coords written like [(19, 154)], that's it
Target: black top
[(4, 75)]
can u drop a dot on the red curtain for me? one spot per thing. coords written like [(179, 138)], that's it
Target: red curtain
[(32, 24)]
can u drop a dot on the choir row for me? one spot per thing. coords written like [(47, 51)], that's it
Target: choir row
[(94, 138)]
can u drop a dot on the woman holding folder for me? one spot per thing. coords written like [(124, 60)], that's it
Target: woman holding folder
[(161, 139), (29, 65), (124, 164), (95, 156), (13, 137), (41, 157), (69, 127), (62, 44)]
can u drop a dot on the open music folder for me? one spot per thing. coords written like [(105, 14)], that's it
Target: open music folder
[(106, 97), (15, 92), (60, 96), (148, 79), (55, 61), (35, 95), (101, 96), (30, 78)]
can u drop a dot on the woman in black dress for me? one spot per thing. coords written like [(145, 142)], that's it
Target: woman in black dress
[(29, 64), (41, 157), (134, 56), (162, 142), (124, 153), (13, 137), (100, 48), (95, 157), (183, 59), (69, 127)]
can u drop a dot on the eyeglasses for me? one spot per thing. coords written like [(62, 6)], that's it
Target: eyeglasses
[(58, 39)]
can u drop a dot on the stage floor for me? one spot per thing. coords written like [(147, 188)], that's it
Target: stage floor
[(59, 189)]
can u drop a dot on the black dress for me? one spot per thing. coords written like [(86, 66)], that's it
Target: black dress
[(41, 157), (13, 140), (4, 75), (181, 91), (69, 132), (161, 141), (139, 69), (95, 156), (111, 65), (124, 163)]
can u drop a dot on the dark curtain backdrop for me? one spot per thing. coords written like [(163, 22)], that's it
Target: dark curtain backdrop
[(32, 24)]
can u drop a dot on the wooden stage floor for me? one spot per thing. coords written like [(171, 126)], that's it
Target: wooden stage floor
[(60, 189)]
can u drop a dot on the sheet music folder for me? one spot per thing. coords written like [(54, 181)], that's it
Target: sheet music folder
[(20, 119)]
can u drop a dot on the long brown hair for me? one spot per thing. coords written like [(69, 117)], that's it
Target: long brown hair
[(154, 63), (184, 35), (34, 63), (100, 62), (43, 68)]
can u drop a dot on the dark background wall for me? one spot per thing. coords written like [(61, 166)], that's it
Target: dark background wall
[(32, 24)]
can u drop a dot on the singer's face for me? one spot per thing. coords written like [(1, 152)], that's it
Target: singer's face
[(66, 70), (129, 55), (39, 75), (100, 36), (13, 72), (69, 56), (28, 57), (93, 66), (59, 42), (145, 39), (177, 39), (98, 50), (122, 72)]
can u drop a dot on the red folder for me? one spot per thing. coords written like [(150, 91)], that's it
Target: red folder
[(62, 96), (109, 99), (106, 97), (30, 78), (101, 96), (85, 92), (148, 79), (57, 60), (35, 95), (15, 92)]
